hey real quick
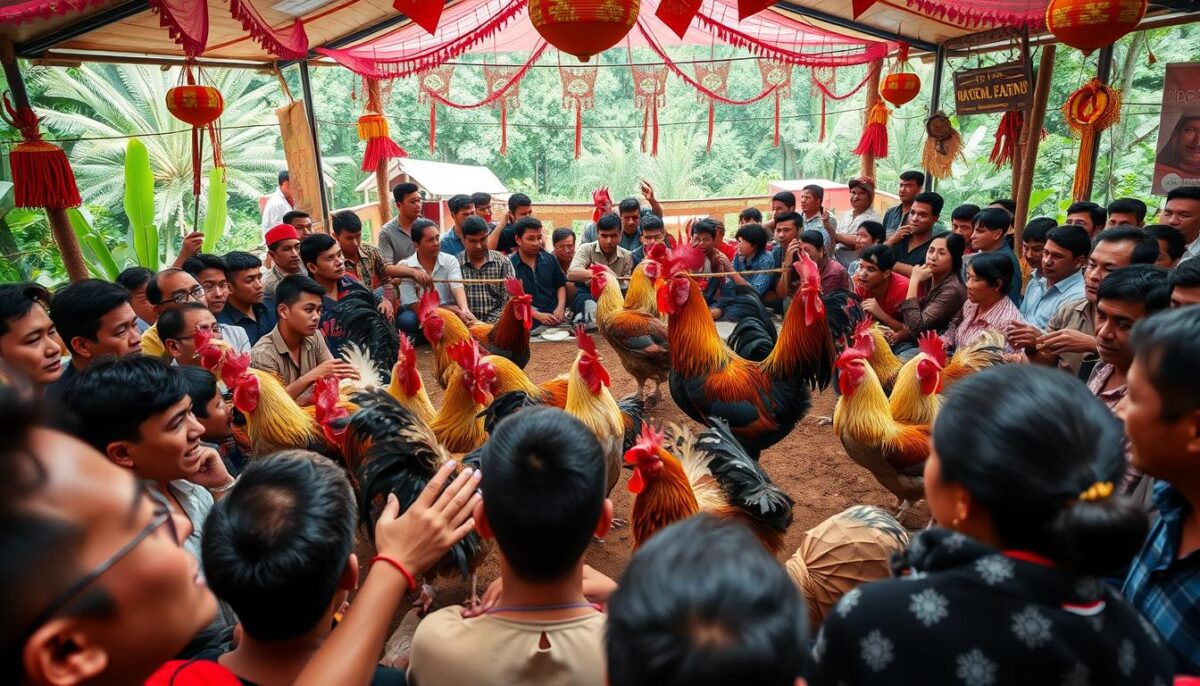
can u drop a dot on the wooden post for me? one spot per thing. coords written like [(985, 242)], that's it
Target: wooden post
[(867, 161), (60, 225), (306, 86), (1023, 134), (381, 169), (935, 102), (1033, 126)]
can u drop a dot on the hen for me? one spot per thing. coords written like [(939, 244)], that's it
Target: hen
[(638, 338), (682, 474)]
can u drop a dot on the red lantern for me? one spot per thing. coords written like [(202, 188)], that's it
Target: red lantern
[(1090, 24), (197, 105), (900, 87), (583, 27)]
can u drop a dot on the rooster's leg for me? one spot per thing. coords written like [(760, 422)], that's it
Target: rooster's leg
[(656, 395), (904, 505), (641, 392), (425, 599), (474, 590)]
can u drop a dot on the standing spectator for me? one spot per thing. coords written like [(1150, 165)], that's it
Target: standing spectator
[(1088, 215), (991, 226), (1185, 285), (1130, 211), (29, 343), (751, 215), (862, 209), (483, 208), (867, 234), (93, 319), (833, 275), (753, 256), (1060, 276), (460, 207), (911, 183), (1161, 412), (881, 289), (283, 247), (652, 233), (134, 279), (815, 216), (910, 242), (606, 250), (629, 210), (440, 266), (1171, 245), (988, 278), (781, 202), (363, 260), (178, 327), (539, 274), (936, 293), (301, 221), (962, 222), (504, 239), (323, 259), (247, 307), (212, 273), (1033, 242), (278, 204), (1182, 211), (395, 236), (484, 300), (704, 239)]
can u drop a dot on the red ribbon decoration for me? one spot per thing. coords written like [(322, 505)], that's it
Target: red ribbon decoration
[(579, 87), (424, 13), (42, 175), (778, 76), (32, 10), (289, 43), (1006, 138), (435, 88), (505, 83), (649, 93)]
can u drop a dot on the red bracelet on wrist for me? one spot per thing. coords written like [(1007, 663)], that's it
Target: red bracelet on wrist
[(408, 577)]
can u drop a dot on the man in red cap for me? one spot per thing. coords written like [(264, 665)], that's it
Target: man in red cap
[(283, 247)]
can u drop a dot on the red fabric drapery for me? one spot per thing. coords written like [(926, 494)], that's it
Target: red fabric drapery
[(289, 43), (985, 13), (42, 9), (187, 22)]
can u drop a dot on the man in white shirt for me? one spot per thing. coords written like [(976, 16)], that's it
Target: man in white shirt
[(278, 204), (430, 260), (1182, 212)]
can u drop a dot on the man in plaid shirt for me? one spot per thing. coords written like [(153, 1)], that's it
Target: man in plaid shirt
[(485, 300), (363, 261)]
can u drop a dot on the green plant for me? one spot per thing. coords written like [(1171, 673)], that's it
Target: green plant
[(216, 216), (100, 260), (139, 204)]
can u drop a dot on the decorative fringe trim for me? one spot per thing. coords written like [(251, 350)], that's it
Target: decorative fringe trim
[(268, 37), (1007, 135), (33, 10), (373, 128), (193, 46), (874, 139), (872, 50), (42, 176), (658, 50), (954, 13), (499, 92)]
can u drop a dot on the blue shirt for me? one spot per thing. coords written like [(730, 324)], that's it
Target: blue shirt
[(1041, 302), (261, 325), (451, 244), (542, 282), (1164, 589), (760, 282)]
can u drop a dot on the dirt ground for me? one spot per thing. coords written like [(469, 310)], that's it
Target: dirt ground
[(810, 465)]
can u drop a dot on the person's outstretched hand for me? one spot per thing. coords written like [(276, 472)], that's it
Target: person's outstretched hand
[(438, 520)]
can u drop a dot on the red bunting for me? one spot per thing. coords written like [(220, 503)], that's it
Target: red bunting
[(424, 13), (749, 7), (678, 14)]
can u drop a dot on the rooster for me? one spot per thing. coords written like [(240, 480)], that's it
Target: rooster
[(915, 397), (640, 296), (589, 401), (508, 337), (273, 419), (682, 474), (365, 328), (406, 385), (476, 380), (986, 352), (639, 339)]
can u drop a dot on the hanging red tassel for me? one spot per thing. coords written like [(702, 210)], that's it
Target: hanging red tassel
[(654, 124), (432, 127), (373, 128), (578, 129), (874, 139), (821, 138), (42, 175), (503, 128), (711, 121), (776, 119), (1006, 138)]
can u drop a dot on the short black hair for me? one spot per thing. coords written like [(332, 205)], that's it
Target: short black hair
[(518, 200), (913, 175), (1072, 238), (283, 176), (17, 299), (154, 290), (815, 191), (934, 200), (750, 214), (754, 234), (345, 220), (1145, 247), (474, 226), (239, 261), (652, 222), (1187, 274), (276, 546), (710, 629), (1007, 203), (814, 238), (994, 219), (481, 199), (705, 226), (993, 267), (629, 205), (609, 221), (1144, 283), (788, 198), (201, 261), (458, 203), (1028, 467), (956, 245), (133, 278), (1129, 206), (561, 235), (525, 225), (114, 396), (403, 190), (291, 287), (1173, 237), (294, 214), (965, 213), (1166, 344), (201, 387), (875, 230), (1094, 211), (170, 324), (1184, 193), (793, 217), (544, 490), (419, 227), (1038, 230), (879, 255), (76, 309), (312, 247)]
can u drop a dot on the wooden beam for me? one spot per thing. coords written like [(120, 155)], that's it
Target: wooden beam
[(1033, 125), (1104, 63), (866, 162), (1023, 134), (856, 26)]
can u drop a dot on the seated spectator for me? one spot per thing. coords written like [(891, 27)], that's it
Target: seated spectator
[(295, 350), (987, 307), (280, 550), (786, 232), (606, 250), (29, 343), (247, 307), (752, 256), (211, 272), (727, 247), (301, 221), (460, 207), (485, 300), (936, 293), (881, 289), (814, 215), (1008, 590), (443, 267), (1033, 242), (867, 234), (324, 262), (539, 274), (483, 207), (653, 232), (178, 327), (1185, 284), (543, 471), (1182, 211), (845, 551), (98, 588), (962, 222), (1129, 211), (1059, 276), (169, 289), (752, 215), (1171, 245), (363, 260), (504, 238), (1161, 414), (719, 631), (862, 208), (911, 241), (704, 239), (283, 249), (1087, 215), (629, 211), (214, 415), (833, 275), (134, 279), (563, 241), (991, 227), (93, 319)]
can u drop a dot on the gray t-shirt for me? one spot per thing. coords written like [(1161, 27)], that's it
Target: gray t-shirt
[(394, 244)]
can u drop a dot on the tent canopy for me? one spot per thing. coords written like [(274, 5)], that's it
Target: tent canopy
[(441, 179)]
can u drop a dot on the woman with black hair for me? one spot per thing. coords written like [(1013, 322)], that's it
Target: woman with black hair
[(988, 307), (1007, 592), (936, 292)]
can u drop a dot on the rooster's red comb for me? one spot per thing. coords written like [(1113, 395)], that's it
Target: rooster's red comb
[(514, 287), (932, 345), (648, 441), (428, 304), (681, 258), (465, 353), (233, 368), (584, 341)]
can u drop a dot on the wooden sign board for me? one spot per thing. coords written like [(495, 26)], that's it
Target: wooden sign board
[(1000, 88), (301, 162)]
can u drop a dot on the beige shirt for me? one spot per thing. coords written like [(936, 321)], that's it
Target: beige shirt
[(498, 651), (1080, 316), (271, 354), (588, 254)]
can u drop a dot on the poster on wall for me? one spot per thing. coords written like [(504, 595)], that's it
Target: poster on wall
[(1177, 162)]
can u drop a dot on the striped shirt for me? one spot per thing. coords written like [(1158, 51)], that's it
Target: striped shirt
[(970, 324)]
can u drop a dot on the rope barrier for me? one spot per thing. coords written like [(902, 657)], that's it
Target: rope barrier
[(698, 275)]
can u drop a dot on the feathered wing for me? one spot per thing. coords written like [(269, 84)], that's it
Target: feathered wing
[(640, 341), (985, 352), (365, 327), (633, 412), (743, 480), (755, 335), (505, 405)]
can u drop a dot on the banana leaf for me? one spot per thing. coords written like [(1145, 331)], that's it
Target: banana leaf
[(99, 259), (216, 214), (139, 203)]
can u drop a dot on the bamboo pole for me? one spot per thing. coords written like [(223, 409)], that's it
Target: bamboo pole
[(1033, 124), (867, 161), (381, 169)]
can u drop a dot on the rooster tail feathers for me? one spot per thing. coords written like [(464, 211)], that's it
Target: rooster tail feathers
[(633, 416), (743, 480), (755, 335), (506, 405), (366, 328), (369, 375), (844, 316)]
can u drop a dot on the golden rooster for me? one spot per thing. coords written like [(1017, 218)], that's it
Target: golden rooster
[(406, 385), (639, 338), (508, 337), (640, 296), (985, 352), (686, 474), (476, 380), (273, 419), (916, 395), (590, 401)]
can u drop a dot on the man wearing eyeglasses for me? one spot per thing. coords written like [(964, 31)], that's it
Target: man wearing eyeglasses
[(172, 288), (178, 328)]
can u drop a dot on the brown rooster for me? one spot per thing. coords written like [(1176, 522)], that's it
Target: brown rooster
[(639, 338), (707, 472), (508, 337), (640, 295)]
